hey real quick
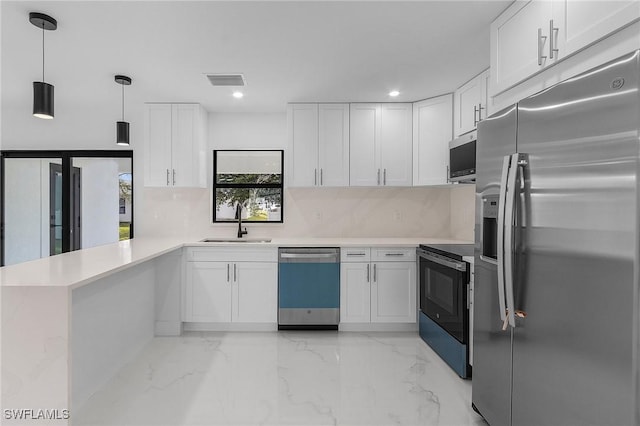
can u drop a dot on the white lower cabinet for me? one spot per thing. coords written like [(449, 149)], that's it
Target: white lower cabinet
[(378, 285), (231, 290), (393, 297), (208, 292)]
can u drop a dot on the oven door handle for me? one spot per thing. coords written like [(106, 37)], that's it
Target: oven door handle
[(441, 260)]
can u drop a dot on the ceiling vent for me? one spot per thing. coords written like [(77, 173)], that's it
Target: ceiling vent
[(226, 79)]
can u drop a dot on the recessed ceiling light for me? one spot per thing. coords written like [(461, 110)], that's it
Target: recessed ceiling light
[(394, 93), (238, 95)]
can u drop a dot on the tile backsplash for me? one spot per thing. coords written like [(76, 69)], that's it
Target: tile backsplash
[(446, 212)]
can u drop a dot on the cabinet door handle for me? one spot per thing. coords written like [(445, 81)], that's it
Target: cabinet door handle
[(384, 177), (541, 40), (235, 275), (553, 33), (448, 180), (374, 273), (167, 177), (227, 272), (475, 114), (321, 177), (174, 176), (480, 108), (368, 273), (378, 176), (315, 177)]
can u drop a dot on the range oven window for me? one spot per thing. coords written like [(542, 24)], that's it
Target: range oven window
[(443, 294), (441, 290)]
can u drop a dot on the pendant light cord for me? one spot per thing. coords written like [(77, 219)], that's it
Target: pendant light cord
[(43, 51), (122, 102)]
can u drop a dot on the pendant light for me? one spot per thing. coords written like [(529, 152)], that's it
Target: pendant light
[(122, 127), (43, 92)]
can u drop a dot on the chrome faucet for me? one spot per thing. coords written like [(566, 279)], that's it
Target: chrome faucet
[(239, 216)]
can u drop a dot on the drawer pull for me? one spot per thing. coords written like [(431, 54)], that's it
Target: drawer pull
[(356, 254), (394, 254)]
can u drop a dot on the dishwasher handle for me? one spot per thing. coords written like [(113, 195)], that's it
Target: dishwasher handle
[(309, 255), (306, 255)]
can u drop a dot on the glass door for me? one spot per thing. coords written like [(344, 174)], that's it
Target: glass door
[(59, 201)]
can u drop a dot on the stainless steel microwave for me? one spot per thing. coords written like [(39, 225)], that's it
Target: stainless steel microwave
[(462, 158)]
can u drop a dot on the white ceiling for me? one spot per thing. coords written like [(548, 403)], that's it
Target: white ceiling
[(296, 51)]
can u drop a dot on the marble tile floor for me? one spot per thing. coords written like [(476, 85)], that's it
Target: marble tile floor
[(283, 378)]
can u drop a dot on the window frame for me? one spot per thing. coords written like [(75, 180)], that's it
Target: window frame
[(216, 186)]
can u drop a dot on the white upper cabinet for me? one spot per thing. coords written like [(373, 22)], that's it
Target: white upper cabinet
[(396, 159), (532, 35), (432, 131), (581, 23), (364, 140), (520, 42), (470, 104), (175, 145), (381, 144), (333, 144), (319, 144)]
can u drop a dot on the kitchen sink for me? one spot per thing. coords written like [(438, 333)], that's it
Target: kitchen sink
[(236, 240)]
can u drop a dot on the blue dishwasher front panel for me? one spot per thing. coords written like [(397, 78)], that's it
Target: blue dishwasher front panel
[(308, 288), (309, 285)]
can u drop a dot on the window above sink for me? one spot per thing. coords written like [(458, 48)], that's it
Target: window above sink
[(253, 178)]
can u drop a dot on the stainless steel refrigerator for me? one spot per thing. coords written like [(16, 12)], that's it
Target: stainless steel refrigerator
[(557, 326)]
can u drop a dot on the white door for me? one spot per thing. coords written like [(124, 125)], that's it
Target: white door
[(516, 50), (432, 131), (396, 158), (303, 143), (355, 292), (157, 147), (393, 293), (255, 292), (184, 144), (208, 292), (364, 134), (581, 23), (333, 144)]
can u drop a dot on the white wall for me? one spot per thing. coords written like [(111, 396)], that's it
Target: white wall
[(27, 209), (99, 200)]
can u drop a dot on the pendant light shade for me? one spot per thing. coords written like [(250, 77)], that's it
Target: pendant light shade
[(43, 98), (122, 133), (122, 127)]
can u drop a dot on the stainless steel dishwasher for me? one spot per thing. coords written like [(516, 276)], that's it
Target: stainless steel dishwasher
[(308, 288)]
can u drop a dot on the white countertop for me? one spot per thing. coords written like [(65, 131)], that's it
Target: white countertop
[(75, 269)]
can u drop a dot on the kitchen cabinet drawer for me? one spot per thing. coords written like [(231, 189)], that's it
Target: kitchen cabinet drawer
[(232, 254), (355, 254), (390, 254)]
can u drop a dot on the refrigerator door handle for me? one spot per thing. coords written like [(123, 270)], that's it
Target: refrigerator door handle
[(510, 206), (500, 249)]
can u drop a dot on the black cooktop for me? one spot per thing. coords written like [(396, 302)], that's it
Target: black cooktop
[(456, 251)]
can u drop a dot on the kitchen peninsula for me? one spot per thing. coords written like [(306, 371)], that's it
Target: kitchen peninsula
[(69, 322)]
